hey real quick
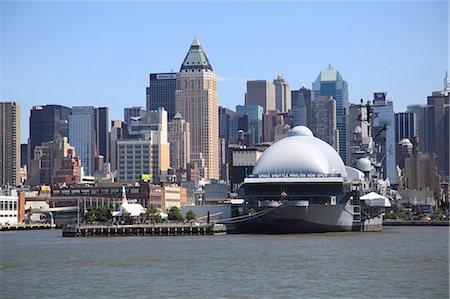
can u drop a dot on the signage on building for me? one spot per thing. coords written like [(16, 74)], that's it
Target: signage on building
[(166, 76), (379, 98), (297, 175), (146, 177)]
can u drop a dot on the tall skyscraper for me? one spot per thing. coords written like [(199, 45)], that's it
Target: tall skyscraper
[(128, 113), (179, 137), (102, 132), (46, 123), (227, 135), (330, 83), (383, 131), (282, 94), (301, 106), (9, 143), (419, 112), (437, 130), (82, 135), (197, 101), (405, 126), (262, 93), (324, 120), (161, 92)]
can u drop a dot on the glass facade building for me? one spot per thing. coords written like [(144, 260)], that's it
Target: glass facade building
[(161, 92)]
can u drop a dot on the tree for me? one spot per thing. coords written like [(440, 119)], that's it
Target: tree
[(90, 215), (175, 214), (153, 214), (103, 213), (190, 215)]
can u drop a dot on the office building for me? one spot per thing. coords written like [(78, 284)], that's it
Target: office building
[(9, 143), (437, 130), (282, 94), (262, 93), (254, 116), (102, 132), (324, 124), (405, 126), (46, 123), (119, 131), (197, 101), (128, 113), (179, 138), (420, 119), (383, 131), (330, 83), (301, 106), (161, 92), (82, 135)]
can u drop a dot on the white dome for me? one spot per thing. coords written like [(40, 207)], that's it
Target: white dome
[(300, 153), (364, 164)]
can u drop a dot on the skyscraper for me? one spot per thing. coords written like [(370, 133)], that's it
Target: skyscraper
[(437, 130), (46, 123), (383, 131), (262, 93), (301, 106), (82, 135), (405, 126), (102, 132), (161, 92), (227, 134), (197, 101), (282, 94), (330, 83), (9, 143), (254, 115), (180, 142), (119, 131), (324, 120)]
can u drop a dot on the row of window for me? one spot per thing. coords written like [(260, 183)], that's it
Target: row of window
[(8, 205), (10, 215)]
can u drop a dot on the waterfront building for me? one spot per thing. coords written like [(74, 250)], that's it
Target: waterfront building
[(242, 161), (130, 112), (383, 130), (421, 172), (282, 94), (161, 92), (9, 143), (301, 106), (9, 206), (82, 135), (174, 196), (46, 123), (102, 133), (330, 83), (197, 101), (324, 120), (68, 170), (215, 191), (437, 130), (179, 139), (262, 93), (405, 126)]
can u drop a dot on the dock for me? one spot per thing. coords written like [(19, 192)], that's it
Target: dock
[(157, 229), (393, 222), (26, 226)]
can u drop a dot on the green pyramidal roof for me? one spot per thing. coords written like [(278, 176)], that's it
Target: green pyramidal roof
[(196, 58)]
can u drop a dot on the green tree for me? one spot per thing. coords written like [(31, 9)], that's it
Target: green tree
[(103, 213), (153, 214), (175, 214), (190, 215), (90, 215)]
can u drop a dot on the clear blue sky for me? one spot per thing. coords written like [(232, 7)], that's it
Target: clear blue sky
[(100, 53)]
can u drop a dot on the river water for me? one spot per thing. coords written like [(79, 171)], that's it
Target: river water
[(399, 262)]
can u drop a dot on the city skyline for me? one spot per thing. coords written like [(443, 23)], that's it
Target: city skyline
[(102, 53)]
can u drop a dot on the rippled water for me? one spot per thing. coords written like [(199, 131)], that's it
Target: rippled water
[(400, 262)]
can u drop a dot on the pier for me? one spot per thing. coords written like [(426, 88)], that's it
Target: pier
[(393, 222), (26, 226), (158, 229)]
